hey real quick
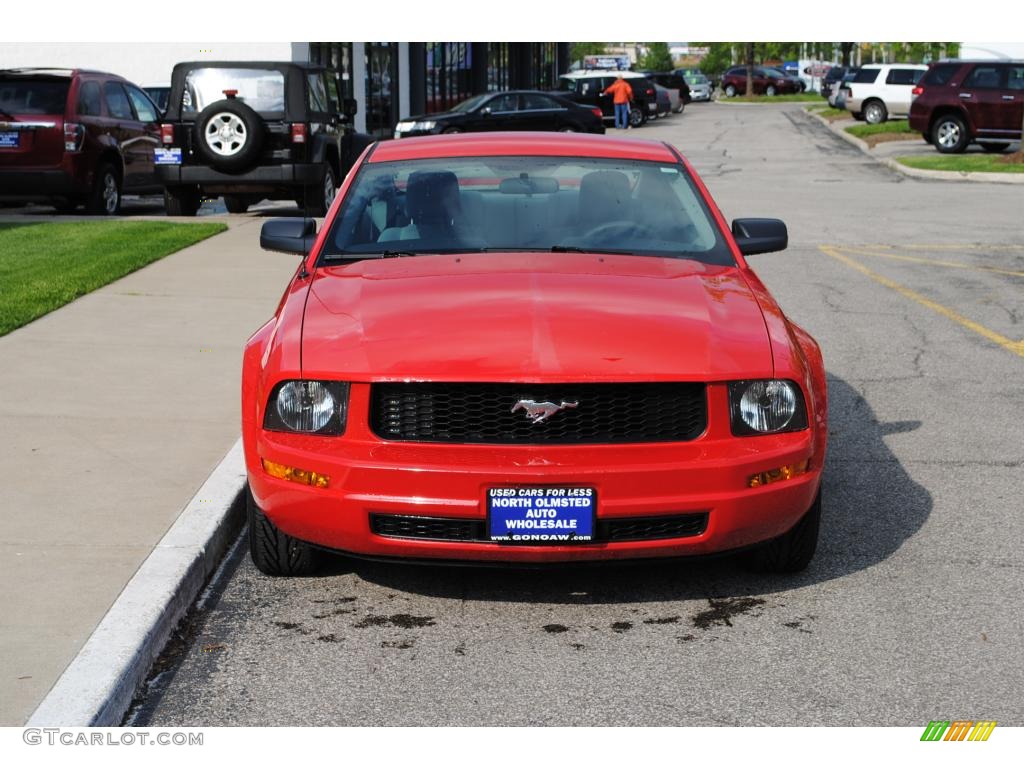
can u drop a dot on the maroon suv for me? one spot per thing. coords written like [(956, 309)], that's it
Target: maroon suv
[(764, 80), (70, 137), (957, 102)]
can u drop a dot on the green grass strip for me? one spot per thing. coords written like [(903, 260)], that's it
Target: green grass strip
[(963, 163), (892, 126), (45, 265)]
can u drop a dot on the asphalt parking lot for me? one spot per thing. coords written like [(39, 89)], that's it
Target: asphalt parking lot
[(909, 613)]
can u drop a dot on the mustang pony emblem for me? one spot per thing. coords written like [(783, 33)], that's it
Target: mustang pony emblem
[(538, 412)]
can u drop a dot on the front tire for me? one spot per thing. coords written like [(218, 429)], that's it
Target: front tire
[(730, 90), (105, 198), (319, 198), (792, 551), (636, 117), (273, 552), (875, 113), (950, 135), (181, 202), (769, 91)]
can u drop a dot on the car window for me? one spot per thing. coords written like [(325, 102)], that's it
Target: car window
[(984, 76), (144, 108), (505, 102), (89, 99), (32, 96), (941, 74), (903, 76), (866, 76), (1015, 77), (118, 106), (316, 92), (537, 101), (527, 203), (566, 84), (260, 89)]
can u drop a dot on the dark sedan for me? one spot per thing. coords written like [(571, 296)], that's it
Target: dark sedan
[(506, 111)]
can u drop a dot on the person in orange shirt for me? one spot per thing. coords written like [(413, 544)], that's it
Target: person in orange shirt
[(622, 94)]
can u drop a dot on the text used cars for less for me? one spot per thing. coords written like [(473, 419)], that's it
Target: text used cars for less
[(530, 348)]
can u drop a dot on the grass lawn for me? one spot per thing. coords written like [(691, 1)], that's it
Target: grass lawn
[(44, 266), (808, 97), (862, 130), (966, 163)]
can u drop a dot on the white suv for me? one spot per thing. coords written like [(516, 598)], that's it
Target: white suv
[(881, 91)]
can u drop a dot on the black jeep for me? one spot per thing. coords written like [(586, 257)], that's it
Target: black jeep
[(251, 130)]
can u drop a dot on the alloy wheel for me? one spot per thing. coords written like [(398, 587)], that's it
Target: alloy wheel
[(110, 194), (947, 134), (225, 134)]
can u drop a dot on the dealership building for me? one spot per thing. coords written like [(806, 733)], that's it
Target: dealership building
[(388, 80)]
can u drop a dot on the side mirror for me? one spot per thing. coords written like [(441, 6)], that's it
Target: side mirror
[(485, 111), (760, 235), (288, 235), (349, 107)]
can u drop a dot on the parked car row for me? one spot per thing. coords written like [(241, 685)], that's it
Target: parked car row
[(245, 130)]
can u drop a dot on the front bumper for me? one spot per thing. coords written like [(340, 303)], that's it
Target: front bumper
[(369, 476)]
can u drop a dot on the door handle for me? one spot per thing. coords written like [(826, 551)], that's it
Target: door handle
[(965, 95)]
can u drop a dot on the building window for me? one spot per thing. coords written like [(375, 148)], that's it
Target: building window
[(381, 88), (336, 56), (545, 65), (497, 67), (449, 69)]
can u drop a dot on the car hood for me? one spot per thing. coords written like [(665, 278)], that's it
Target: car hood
[(519, 317)]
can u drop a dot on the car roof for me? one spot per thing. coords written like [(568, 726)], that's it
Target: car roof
[(894, 64), (248, 65), (603, 73), (526, 143), (54, 71)]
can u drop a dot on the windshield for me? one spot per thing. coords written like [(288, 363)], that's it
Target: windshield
[(696, 79), (470, 104), (24, 96), (260, 89), (525, 203)]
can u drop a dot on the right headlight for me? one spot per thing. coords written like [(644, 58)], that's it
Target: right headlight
[(319, 407), (766, 406)]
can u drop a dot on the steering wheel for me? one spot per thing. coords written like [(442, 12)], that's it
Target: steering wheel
[(613, 229)]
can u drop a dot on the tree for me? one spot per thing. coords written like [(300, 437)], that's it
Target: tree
[(750, 69), (657, 59), (579, 50)]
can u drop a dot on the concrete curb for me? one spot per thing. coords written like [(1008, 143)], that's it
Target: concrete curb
[(920, 173), (97, 687)]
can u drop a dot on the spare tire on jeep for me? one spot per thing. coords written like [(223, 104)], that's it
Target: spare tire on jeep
[(229, 135)]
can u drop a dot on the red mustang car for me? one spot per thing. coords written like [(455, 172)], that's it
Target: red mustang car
[(530, 348)]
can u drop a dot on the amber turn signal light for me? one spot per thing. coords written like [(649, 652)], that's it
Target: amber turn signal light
[(780, 473), (303, 476)]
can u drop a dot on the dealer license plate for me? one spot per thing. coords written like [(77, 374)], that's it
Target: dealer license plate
[(9, 140), (167, 156), (531, 515)]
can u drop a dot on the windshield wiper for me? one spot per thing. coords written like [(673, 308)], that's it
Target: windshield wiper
[(355, 256), (577, 249)]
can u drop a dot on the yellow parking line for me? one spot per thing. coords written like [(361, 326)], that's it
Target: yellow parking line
[(931, 262), (951, 247), (1017, 347)]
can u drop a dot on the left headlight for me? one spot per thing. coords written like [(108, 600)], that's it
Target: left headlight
[(312, 407), (766, 406)]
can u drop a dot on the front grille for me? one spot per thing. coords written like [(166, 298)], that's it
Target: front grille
[(437, 528), (614, 529), (482, 413)]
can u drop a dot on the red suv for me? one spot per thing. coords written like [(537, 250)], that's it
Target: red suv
[(958, 102), (72, 136)]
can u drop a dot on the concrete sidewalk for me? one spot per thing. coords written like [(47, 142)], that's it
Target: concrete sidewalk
[(113, 411)]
